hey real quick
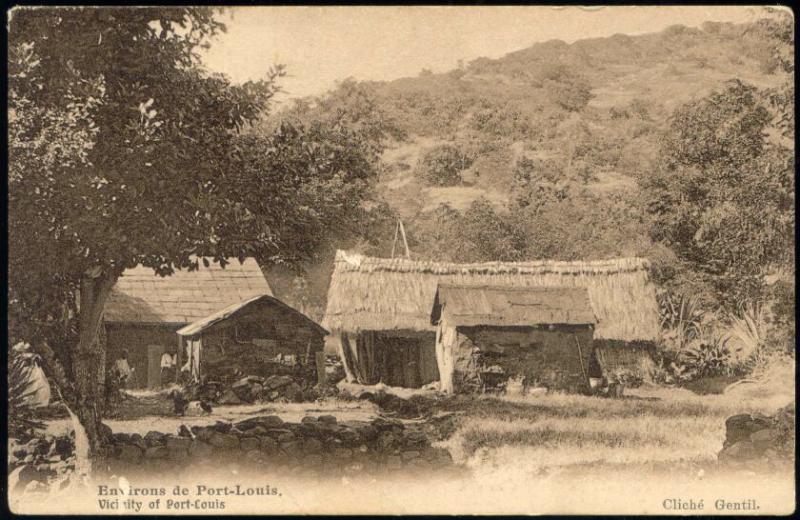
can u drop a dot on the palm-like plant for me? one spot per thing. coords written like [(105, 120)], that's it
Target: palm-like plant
[(22, 421), (749, 327), (681, 319)]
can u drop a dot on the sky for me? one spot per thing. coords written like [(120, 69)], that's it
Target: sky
[(321, 45)]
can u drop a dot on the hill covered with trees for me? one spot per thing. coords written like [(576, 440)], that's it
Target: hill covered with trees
[(561, 151)]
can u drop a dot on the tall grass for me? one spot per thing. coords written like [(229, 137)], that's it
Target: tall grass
[(670, 427)]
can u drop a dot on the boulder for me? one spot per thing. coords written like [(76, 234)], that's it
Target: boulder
[(408, 455), (327, 419), (740, 427), (765, 437), (267, 444), (266, 422), (200, 450), (343, 453), (130, 453), (229, 397), (203, 433), (222, 426), (257, 392), (291, 448), (274, 382), (156, 452), (312, 445), (249, 443), (386, 441), (224, 440), (154, 438), (742, 450), (293, 393), (183, 431), (178, 443)]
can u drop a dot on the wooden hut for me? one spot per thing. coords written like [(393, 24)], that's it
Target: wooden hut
[(379, 309), (488, 334), (261, 336), (145, 310)]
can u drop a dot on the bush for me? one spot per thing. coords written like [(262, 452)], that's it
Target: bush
[(442, 165), (22, 421)]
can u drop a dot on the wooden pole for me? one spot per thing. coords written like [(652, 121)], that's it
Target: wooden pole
[(179, 360), (580, 357), (394, 242), (405, 243)]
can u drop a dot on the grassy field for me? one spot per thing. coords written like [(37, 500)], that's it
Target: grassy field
[(656, 429)]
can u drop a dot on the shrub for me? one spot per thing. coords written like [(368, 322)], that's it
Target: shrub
[(707, 358), (442, 165), (22, 422), (681, 319)]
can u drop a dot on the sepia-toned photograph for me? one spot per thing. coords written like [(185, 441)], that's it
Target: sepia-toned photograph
[(393, 260)]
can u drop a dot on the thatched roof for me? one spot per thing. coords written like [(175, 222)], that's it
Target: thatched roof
[(471, 305), (141, 296), (392, 294)]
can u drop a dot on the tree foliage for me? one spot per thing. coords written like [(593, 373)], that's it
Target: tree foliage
[(442, 165), (723, 199)]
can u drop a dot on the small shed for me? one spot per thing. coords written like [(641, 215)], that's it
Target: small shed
[(540, 334), (261, 336)]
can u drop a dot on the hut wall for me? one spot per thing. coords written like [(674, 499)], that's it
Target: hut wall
[(263, 341), (612, 356), (135, 338), (544, 357)]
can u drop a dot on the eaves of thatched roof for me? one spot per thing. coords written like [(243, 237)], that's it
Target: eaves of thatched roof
[(398, 294)]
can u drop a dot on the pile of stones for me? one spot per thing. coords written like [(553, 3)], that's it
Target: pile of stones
[(759, 438), (276, 388), (40, 460), (319, 444)]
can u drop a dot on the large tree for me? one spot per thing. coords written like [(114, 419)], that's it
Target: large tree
[(723, 197), (125, 151)]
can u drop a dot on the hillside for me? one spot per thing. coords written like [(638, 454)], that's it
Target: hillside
[(540, 153), (588, 114)]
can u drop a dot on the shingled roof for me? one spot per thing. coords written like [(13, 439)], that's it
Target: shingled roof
[(472, 305), (141, 296)]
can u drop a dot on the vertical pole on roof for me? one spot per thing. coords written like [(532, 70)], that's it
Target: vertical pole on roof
[(403, 232), (394, 242)]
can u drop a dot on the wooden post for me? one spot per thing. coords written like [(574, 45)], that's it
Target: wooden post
[(319, 359), (179, 360), (580, 356)]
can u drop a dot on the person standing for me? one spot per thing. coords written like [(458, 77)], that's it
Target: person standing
[(124, 370), (168, 362)]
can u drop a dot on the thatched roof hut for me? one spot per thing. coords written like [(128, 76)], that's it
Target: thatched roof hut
[(381, 294)]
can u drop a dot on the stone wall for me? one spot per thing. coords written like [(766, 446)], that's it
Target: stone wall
[(34, 464), (316, 444)]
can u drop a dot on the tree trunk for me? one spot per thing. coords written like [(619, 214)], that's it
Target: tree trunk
[(89, 359)]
